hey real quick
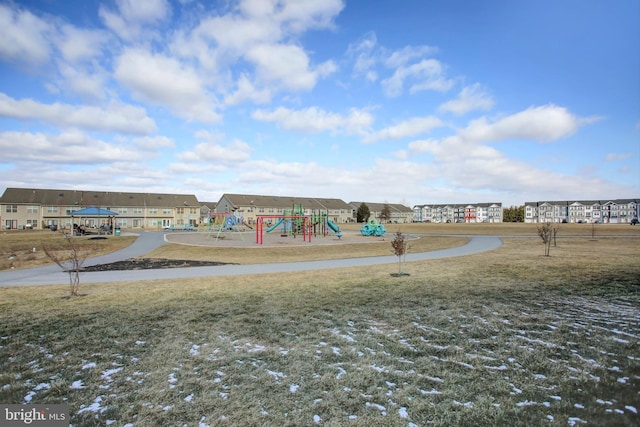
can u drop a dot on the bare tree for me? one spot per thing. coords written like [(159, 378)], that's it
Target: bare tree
[(545, 231), (555, 230), (70, 260), (385, 213), (400, 246)]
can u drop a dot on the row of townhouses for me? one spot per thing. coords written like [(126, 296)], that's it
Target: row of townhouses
[(457, 213), (618, 211), (250, 206), (23, 208)]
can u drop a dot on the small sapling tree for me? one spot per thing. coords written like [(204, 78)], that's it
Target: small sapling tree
[(556, 228), (545, 231), (70, 260), (385, 213), (400, 246)]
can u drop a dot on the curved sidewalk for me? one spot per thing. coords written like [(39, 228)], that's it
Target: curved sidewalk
[(147, 241)]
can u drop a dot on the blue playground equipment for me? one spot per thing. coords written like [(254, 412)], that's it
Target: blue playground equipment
[(318, 223), (373, 228), (225, 224), (335, 228), (274, 226)]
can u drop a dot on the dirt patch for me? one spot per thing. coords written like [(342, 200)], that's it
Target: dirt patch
[(150, 264)]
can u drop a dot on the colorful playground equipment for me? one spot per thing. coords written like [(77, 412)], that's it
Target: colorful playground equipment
[(302, 221), (224, 223), (373, 228), (296, 222)]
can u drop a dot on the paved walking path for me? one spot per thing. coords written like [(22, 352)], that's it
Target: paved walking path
[(147, 241)]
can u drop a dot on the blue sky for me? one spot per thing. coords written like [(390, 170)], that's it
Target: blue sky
[(406, 101)]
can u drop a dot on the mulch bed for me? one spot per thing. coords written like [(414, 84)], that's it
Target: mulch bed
[(150, 264)]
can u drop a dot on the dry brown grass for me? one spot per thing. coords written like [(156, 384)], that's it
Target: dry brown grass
[(261, 255), (488, 339), (509, 229), (17, 247), (519, 259)]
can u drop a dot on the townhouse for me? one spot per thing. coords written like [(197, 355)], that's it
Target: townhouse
[(250, 206), (616, 211), (458, 213), (398, 213), (22, 208), (26, 208)]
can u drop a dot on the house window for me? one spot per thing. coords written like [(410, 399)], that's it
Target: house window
[(153, 211), (137, 211), (192, 211), (32, 209), (180, 211), (12, 208), (166, 211), (121, 210), (52, 209)]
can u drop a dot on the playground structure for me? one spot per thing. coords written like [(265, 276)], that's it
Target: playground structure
[(373, 228), (296, 222), (302, 225), (226, 223)]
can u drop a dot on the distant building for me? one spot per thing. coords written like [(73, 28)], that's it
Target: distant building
[(616, 211), (251, 206), (460, 213), (41, 208), (399, 213), (205, 210)]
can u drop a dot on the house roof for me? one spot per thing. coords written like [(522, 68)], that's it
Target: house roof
[(459, 206), (80, 198), (283, 202), (377, 207), (583, 202)]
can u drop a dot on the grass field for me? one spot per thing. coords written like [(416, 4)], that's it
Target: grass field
[(23, 249), (507, 337)]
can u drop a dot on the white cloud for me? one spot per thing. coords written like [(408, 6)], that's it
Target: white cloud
[(539, 124), (71, 147), (407, 128), (148, 11), (542, 124), (401, 178), (164, 81), (285, 65), (363, 53), (77, 44), (113, 118), (294, 15), (465, 160), (612, 157), (315, 120), (401, 57), (247, 91), (234, 152), (24, 37), (428, 74), (153, 143), (133, 15), (220, 40), (470, 98), (87, 83)]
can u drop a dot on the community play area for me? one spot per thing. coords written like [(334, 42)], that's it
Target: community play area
[(289, 229)]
